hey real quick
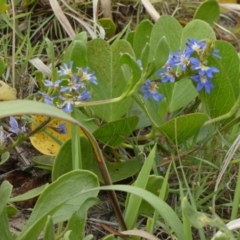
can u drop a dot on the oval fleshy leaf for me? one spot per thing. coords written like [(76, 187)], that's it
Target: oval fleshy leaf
[(182, 128), (114, 133), (226, 81), (110, 77)]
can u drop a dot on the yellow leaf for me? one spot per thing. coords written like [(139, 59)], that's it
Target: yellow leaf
[(44, 143), (7, 92)]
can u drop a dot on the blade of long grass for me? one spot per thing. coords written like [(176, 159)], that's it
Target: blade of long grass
[(134, 202), (13, 43), (76, 145), (62, 18), (236, 199)]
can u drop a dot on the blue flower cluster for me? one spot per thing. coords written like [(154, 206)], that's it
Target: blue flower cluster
[(70, 88), (191, 61)]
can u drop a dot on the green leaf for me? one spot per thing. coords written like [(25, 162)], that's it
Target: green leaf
[(111, 80), (136, 110), (58, 197), (5, 233), (67, 235), (30, 194), (154, 185), (165, 211), (78, 44), (135, 69), (152, 108), (226, 82), (200, 220), (196, 29), (21, 107), (182, 128), (208, 11), (142, 37), (170, 28), (78, 220), (183, 92), (5, 193), (132, 207), (11, 210), (161, 53), (55, 196), (82, 36), (85, 121), (43, 160), (79, 54), (109, 26), (114, 133), (109, 237), (117, 170), (49, 229), (50, 49), (130, 37), (89, 237), (145, 56), (4, 157), (2, 63)]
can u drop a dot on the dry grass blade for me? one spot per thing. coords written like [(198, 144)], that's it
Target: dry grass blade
[(62, 18), (140, 233), (106, 8), (232, 6), (95, 15), (151, 10), (225, 164), (84, 21), (228, 32), (37, 63), (235, 224)]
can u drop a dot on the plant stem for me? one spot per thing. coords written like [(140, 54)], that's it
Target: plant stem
[(106, 178), (232, 111)]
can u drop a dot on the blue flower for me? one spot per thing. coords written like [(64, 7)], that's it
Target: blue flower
[(215, 53), (88, 76), (150, 90), (67, 104), (184, 61), (203, 69), (203, 82), (14, 126), (61, 128), (66, 69), (194, 46), (84, 96), (47, 99), (173, 60), (48, 83), (167, 75), (2, 137), (73, 85)]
